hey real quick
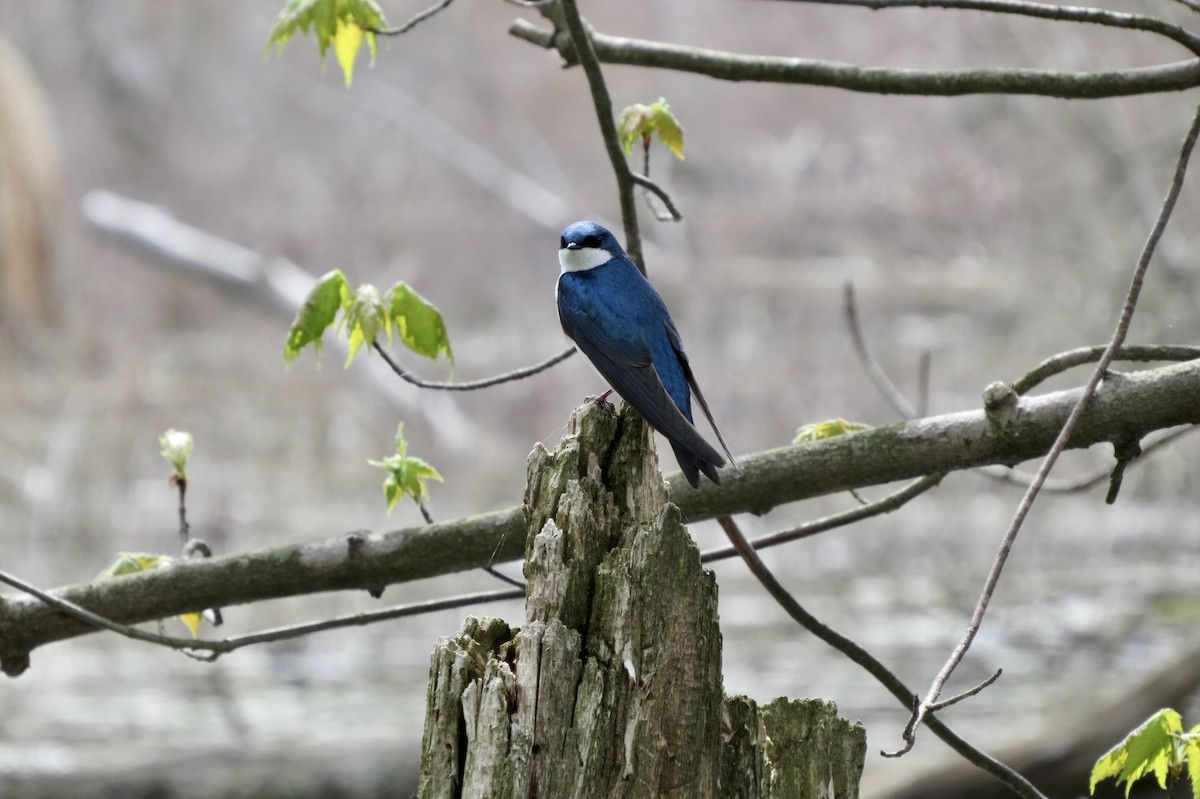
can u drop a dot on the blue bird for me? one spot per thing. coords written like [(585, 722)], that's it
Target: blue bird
[(618, 320)]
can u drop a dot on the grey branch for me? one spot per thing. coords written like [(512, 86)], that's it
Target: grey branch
[(1088, 395), (1129, 408), (1057, 13), (723, 65), (276, 279)]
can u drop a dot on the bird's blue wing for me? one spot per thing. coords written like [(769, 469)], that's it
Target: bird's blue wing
[(610, 327)]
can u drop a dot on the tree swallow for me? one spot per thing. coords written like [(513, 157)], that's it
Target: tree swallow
[(618, 320)]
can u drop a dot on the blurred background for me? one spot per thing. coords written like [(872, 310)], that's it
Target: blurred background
[(989, 231)]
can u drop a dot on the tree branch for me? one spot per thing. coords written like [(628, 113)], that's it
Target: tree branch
[(1056, 364), (413, 21), (1090, 16), (878, 80), (1128, 408), (867, 661), (471, 385), (1064, 436), (891, 502), (214, 649), (582, 48), (278, 280)]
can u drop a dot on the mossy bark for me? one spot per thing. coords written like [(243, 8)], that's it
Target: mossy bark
[(612, 688)]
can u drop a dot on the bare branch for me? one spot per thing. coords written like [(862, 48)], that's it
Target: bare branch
[(1070, 486), (723, 65), (891, 502), (582, 47), (357, 620), (1190, 4), (1090, 16), (412, 21), (214, 649), (865, 659), (1139, 403), (472, 385), (285, 284), (1056, 364), (1068, 428), (86, 616), (945, 703), (878, 376), (652, 187)]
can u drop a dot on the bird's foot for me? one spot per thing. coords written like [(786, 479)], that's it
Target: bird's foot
[(602, 400)]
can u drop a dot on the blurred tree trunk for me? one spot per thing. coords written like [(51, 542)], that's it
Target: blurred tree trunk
[(613, 685), (29, 188)]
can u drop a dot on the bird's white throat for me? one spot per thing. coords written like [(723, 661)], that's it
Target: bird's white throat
[(582, 258)]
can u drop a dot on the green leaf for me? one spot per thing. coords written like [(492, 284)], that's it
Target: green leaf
[(364, 317), (644, 121), (827, 429), (134, 562), (176, 447), (346, 43), (320, 308), (418, 322), (1148, 749), (342, 23), (406, 475), (192, 622), (1192, 753)]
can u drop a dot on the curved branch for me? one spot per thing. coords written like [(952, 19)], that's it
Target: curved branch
[(214, 649), (652, 187), (1064, 436), (582, 48), (412, 21), (1090, 16), (1131, 407), (1063, 361), (879, 80), (891, 502), (1078, 484), (472, 385), (900, 404), (867, 661)]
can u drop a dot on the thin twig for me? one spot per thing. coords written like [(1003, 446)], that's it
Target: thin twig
[(184, 528), (1078, 484), (224, 646), (504, 578), (88, 617), (1175, 76), (1191, 4), (412, 21), (359, 619), (868, 662), (888, 504), (516, 374), (1118, 337), (878, 376), (1057, 13), (945, 703), (652, 187), (1056, 364), (923, 369), (586, 53)]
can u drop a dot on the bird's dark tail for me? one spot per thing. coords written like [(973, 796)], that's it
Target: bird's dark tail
[(692, 465)]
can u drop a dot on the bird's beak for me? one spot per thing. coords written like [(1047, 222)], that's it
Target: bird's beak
[(574, 245)]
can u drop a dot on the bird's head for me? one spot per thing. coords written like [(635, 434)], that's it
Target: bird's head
[(586, 245)]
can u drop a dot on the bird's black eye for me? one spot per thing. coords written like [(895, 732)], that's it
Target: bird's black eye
[(591, 241), (562, 242)]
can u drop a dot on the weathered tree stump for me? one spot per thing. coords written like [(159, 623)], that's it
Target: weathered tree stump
[(612, 688)]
